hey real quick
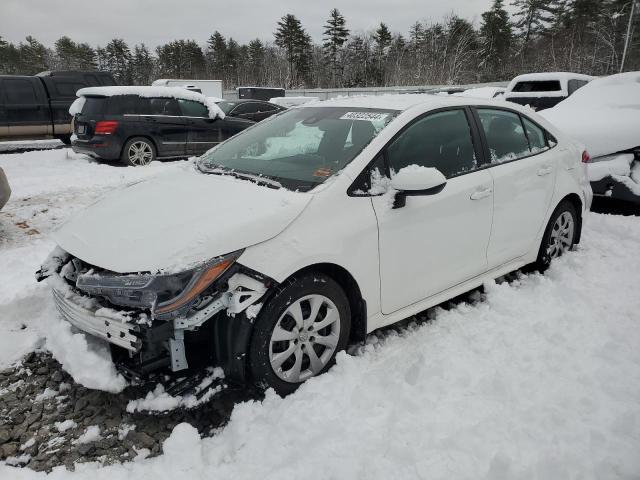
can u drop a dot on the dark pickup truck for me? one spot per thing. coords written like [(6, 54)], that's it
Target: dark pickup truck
[(33, 107)]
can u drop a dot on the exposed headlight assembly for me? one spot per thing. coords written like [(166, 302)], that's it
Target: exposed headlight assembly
[(166, 295)]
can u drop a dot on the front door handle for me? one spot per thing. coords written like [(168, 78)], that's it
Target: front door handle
[(545, 171), (478, 194)]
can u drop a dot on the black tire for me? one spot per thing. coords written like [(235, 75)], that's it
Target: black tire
[(295, 290), (545, 253), (66, 139), (128, 157)]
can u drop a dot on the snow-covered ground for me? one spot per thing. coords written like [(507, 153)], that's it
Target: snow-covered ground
[(537, 378)]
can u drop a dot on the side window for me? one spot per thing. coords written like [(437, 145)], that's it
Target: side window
[(164, 106), (537, 140), (19, 91), (68, 89), (505, 136), (249, 107), (267, 107), (122, 105), (441, 140), (190, 108), (373, 180), (574, 85)]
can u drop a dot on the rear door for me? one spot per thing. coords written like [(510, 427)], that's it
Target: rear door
[(203, 132), (62, 93), (523, 170), (162, 120), (27, 107)]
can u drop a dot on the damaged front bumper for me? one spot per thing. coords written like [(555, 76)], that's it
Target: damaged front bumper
[(98, 322), (143, 342)]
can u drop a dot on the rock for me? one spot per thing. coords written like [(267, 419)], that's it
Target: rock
[(5, 435), (57, 376), (85, 448), (9, 449), (140, 439), (42, 370)]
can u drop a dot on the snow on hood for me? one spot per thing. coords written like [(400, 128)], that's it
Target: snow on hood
[(152, 92), (174, 221), (604, 115)]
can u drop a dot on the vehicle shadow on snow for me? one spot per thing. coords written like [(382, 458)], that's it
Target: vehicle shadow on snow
[(614, 207)]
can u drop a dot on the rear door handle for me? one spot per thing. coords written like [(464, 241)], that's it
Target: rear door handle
[(545, 171), (478, 194)]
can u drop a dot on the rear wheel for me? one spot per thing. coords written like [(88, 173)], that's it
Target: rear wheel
[(138, 152), (559, 236), (299, 332)]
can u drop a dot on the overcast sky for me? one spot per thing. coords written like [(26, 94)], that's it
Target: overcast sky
[(156, 22)]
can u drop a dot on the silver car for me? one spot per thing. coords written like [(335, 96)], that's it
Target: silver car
[(5, 190)]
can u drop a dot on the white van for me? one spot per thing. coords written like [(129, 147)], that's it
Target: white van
[(209, 88)]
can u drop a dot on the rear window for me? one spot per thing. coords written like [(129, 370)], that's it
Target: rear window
[(94, 105), (159, 106), (538, 86)]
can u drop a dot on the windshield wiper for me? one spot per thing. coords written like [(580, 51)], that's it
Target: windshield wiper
[(259, 179)]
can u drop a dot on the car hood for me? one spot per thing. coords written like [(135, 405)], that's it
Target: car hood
[(172, 222)]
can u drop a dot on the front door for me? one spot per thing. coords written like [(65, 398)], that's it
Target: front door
[(204, 132), (435, 241), (523, 171)]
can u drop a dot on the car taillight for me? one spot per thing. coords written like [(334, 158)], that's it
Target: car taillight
[(585, 157), (106, 127)]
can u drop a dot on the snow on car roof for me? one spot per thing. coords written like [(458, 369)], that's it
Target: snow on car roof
[(603, 115), (562, 76), (154, 92), (401, 102)]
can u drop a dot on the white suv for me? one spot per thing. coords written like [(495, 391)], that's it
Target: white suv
[(315, 227)]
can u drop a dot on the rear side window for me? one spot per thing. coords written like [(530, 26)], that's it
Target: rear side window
[(536, 136), (94, 106), (441, 140), (573, 85), (504, 133), (267, 107), (250, 107), (19, 91), (537, 86), (123, 104), (190, 108), (163, 106), (68, 89)]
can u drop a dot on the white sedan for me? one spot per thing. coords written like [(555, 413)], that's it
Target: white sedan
[(315, 227)]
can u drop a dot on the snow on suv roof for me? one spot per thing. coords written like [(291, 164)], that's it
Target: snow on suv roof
[(154, 92), (402, 102)]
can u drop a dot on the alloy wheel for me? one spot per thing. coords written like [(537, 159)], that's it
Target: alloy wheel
[(140, 153), (304, 338), (561, 237)]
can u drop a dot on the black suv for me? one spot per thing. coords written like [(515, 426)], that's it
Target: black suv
[(139, 128), (255, 110)]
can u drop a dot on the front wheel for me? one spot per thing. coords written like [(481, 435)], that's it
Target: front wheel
[(138, 152), (298, 333), (559, 236)]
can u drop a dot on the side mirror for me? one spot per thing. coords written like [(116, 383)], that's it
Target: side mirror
[(415, 180)]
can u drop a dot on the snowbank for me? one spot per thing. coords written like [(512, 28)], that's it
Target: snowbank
[(604, 115), (154, 92)]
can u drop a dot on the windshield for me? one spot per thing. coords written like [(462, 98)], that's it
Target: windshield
[(299, 148), (226, 106)]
